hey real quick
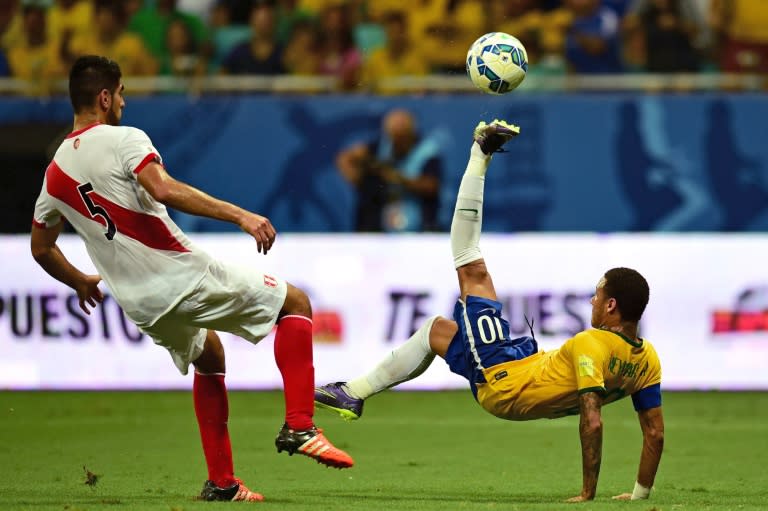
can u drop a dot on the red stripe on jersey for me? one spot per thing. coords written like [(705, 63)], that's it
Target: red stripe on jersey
[(146, 229), (39, 225), (146, 161), (76, 133)]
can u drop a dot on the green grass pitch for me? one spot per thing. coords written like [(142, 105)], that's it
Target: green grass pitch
[(413, 451)]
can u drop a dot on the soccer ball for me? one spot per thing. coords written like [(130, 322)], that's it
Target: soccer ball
[(497, 63)]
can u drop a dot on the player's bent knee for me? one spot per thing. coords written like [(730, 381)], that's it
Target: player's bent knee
[(296, 303), (440, 335), (476, 271), (212, 359)]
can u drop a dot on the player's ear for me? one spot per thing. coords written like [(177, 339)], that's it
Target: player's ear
[(105, 99), (611, 305)]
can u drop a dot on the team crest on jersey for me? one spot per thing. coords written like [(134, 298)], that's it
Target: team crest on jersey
[(76, 143), (270, 281)]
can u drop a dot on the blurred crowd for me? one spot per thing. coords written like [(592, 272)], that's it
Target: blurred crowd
[(363, 43)]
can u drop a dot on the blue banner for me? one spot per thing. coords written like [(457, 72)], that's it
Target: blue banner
[(584, 162)]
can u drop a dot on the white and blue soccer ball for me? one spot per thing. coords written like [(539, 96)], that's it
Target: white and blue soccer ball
[(497, 63)]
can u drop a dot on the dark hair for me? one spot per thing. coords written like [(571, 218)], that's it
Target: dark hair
[(629, 289), (91, 74), (272, 4), (344, 34), (394, 16), (116, 7)]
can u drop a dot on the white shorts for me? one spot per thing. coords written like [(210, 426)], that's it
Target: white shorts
[(234, 299)]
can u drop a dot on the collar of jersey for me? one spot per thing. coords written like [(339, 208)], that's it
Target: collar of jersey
[(80, 131), (626, 339)]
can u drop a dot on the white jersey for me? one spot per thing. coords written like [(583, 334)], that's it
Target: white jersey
[(145, 259)]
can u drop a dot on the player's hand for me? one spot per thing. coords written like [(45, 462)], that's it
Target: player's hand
[(391, 175), (623, 496), (261, 229), (88, 292)]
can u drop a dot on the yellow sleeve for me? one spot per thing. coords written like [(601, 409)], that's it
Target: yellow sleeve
[(651, 373), (587, 358)]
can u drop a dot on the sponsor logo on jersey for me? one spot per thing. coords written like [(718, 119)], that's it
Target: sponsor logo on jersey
[(76, 143), (270, 281)]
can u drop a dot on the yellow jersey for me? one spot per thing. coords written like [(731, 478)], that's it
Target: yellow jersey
[(127, 50), (76, 20), (548, 384), (381, 65), (747, 20)]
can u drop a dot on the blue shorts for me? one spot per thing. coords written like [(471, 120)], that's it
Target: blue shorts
[(482, 340)]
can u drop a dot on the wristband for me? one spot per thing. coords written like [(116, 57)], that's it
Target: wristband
[(640, 492)]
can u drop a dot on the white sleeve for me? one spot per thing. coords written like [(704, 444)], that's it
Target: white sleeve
[(46, 215), (135, 151)]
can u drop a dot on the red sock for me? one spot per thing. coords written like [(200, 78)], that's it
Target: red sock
[(293, 354), (212, 410)]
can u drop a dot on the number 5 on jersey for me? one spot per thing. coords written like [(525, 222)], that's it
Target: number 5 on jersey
[(97, 211)]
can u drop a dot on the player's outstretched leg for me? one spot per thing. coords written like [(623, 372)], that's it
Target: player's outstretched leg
[(468, 212), (293, 354), (337, 398), (404, 363)]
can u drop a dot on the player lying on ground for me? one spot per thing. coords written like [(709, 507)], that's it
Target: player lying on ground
[(511, 378), (109, 182)]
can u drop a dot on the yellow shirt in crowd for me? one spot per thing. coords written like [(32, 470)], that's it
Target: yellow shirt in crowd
[(380, 64), (127, 50), (464, 25), (748, 20), (41, 65), (77, 20), (14, 33)]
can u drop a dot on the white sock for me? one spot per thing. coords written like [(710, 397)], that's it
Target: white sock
[(468, 213), (404, 363)]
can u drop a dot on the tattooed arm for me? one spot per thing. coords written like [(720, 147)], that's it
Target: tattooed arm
[(652, 424), (591, 432)]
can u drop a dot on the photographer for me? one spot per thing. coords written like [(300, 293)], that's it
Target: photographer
[(397, 178)]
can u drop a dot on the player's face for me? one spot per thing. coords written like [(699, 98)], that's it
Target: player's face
[(598, 305), (118, 103)]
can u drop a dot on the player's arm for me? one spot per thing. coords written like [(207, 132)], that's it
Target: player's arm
[(426, 184), (350, 162), (591, 433), (50, 257), (188, 199), (652, 425)]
